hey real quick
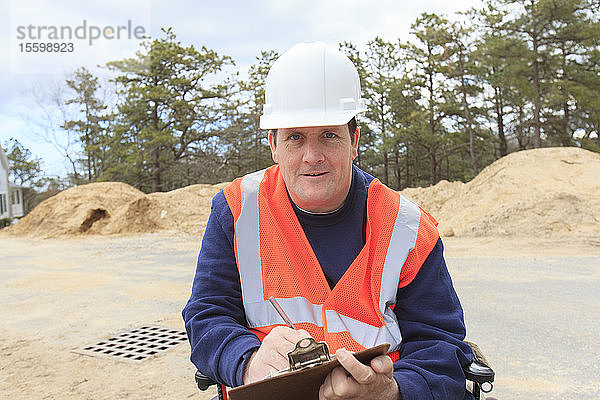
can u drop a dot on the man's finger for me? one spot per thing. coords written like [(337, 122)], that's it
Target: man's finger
[(295, 336), (361, 373), (304, 333), (382, 365), (277, 359), (289, 334), (326, 391), (342, 385), (275, 346)]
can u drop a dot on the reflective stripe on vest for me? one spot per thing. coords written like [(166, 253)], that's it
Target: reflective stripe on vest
[(260, 313)]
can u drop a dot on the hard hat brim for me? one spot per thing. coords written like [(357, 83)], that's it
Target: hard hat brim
[(301, 120)]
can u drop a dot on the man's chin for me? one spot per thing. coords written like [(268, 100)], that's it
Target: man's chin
[(315, 203)]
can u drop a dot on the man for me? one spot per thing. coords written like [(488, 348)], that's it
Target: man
[(350, 261)]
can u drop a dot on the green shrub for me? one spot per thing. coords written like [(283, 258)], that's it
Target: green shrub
[(4, 222)]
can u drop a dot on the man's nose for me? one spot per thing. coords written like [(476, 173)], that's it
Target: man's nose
[(313, 153)]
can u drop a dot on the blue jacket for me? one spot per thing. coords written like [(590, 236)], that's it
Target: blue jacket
[(428, 310)]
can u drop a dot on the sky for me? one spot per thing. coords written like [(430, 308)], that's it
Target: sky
[(108, 30)]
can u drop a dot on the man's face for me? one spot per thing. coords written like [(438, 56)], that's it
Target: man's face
[(316, 164)]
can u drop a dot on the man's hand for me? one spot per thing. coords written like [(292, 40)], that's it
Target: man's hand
[(358, 381), (272, 353)]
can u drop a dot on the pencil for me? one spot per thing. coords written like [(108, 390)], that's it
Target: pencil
[(281, 313)]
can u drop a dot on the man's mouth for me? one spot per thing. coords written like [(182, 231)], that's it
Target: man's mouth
[(312, 174)]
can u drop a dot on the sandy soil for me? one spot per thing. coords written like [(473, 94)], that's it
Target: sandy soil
[(61, 294)]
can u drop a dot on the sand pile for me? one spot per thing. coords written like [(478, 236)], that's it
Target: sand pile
[(85, 209), (433, 198), (549, 192), (186, 209), (116, 208), (542, 192)]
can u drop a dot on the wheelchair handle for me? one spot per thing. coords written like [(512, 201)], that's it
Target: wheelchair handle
[(479, 370), (203, 381)]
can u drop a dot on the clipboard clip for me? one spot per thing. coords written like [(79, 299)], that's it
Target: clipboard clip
[(308, 353)]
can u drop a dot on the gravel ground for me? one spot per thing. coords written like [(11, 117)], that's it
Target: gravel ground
[(534, 314)]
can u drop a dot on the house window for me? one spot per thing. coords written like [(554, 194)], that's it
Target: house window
[(15, 197), (2, 203)]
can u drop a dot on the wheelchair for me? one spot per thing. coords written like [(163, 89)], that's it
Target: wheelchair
[(478, 373)]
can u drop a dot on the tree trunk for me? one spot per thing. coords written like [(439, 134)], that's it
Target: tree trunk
[(432, 167), (467, 115), (89, 164), (431, 149), (385, 168), (522, 144), (498, 103), (536, 83), (156, 183), (407, 180), (398, 170), (565, 134), (385, 153)]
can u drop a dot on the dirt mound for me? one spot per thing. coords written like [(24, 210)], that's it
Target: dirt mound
[(116, 208), (434, 197), (137, 216), (86, 209), (186, 209), (541, 192)]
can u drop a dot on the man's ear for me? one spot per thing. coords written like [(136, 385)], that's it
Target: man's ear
[(273, 145), (355, 145)]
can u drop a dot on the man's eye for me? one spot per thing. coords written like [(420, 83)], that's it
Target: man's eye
[(330, 135), (294, 137)]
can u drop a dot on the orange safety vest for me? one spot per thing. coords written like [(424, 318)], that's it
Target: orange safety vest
[(274, 258)]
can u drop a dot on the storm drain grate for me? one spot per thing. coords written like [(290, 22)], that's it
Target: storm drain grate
[(135, 345)]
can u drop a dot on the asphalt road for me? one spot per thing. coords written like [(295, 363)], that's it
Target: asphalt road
[(537, 320)]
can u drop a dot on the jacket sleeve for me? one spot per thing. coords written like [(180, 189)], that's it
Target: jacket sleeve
[(431, 322), (214, 315)]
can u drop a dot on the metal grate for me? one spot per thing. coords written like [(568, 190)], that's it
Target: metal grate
[(135, 345)]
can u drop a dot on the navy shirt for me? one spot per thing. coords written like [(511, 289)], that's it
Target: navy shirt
[(428, 310), (335, 252)]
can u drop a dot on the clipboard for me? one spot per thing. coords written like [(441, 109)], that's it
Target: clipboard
[(302, 384)]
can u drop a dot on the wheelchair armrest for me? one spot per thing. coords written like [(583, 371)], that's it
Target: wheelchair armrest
[(479, 370), (203, 381)]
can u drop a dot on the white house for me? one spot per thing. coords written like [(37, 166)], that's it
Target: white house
[(11, 196)]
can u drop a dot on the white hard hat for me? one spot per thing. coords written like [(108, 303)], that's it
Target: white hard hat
[(311, 84)]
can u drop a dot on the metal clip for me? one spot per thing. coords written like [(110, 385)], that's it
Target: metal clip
[(308, 353)]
